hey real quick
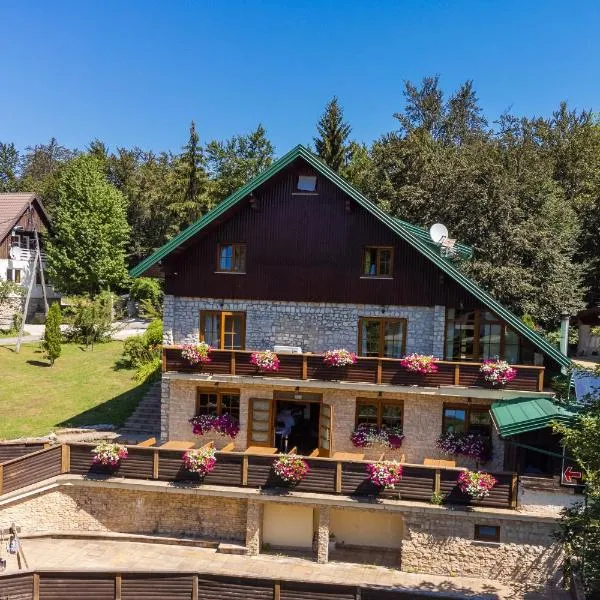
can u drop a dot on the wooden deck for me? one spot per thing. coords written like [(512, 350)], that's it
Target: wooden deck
[(386, 371)]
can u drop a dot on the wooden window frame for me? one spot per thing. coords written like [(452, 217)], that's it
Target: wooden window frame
[(379, 402), (478, 321), (378, 274), (12, 272), (222, 314), (468, 408), (219, 393), (382, 320), (233, 245), (479, 538)]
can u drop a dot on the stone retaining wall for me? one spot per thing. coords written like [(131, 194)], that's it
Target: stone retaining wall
[(315, 327), (126, 511)]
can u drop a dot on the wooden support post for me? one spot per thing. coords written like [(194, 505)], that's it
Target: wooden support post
[(232, 364), (118, 584), (1, 479), (155, 463), (304, 366), (456, 375), (65, 458), (437, 481), (245, 469), (195, 587), (540, 382), (514, 490), (338, 478), (36, 586), (164, 360), (277, 591)]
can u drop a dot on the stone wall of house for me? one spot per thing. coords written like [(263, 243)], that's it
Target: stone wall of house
[(315, 327), (9, 308), (422, 419), (444, 544), (98, 508)]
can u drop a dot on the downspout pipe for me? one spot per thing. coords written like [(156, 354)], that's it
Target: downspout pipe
[(564, 332)]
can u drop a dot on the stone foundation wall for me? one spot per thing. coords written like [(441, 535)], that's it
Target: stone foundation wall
[(445, 545), (12, 306), (126, 511), (315, 327), (422, 420)]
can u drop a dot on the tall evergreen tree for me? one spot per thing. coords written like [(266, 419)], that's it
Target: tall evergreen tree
[(190, 184), (9, 162), (332, 144), (234, 162), (52, 335), (87, 251)]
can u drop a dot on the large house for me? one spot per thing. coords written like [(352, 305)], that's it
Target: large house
[(299, 263), (23, 225)]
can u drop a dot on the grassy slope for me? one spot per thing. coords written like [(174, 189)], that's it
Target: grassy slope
[(83, 388)]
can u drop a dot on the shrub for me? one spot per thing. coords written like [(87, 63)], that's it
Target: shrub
[(92, 320), (148, 293), (141, 349), (52, 335), (149, 371)]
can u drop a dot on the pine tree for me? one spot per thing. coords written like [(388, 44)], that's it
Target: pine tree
[(190, 183), (332, 143), (52, 335), (87, 251)]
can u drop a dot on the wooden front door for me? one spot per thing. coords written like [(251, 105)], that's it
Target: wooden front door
[(260, 422), (325, 423)]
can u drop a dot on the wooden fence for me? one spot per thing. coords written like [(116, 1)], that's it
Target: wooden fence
[(9, 450), (58, 585), (366, 370), (326, 476)]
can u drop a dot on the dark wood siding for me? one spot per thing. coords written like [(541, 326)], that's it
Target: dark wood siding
[(307, 248), (38, 219)]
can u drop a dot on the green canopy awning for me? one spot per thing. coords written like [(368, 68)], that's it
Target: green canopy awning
[(520, 415)]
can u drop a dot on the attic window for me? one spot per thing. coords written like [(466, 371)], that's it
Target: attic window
[(307, 183)]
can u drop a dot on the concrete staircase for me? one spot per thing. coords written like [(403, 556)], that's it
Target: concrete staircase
[(145, 420)]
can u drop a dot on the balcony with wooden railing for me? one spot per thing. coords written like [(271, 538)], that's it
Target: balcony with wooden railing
[(384, 371)]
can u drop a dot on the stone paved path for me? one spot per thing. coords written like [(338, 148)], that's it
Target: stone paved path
[(74, 554)]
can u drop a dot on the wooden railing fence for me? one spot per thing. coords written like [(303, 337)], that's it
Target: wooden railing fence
[(326, 476), (365, 370), (58, 585)]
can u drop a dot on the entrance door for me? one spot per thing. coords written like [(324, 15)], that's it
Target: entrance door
[(325, 421), (260, 418)]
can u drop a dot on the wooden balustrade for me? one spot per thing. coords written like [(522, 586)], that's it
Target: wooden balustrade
[(387, 371), (192, 585), (326, 475)]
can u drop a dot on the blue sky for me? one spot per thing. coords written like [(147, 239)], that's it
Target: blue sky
[(135, 73)]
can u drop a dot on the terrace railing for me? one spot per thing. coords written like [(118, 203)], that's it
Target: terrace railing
[(326, 475), (386, 371), (125, 585)]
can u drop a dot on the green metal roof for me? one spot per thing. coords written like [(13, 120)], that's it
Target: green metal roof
[(520, 415), (415, 236), (464, 251)]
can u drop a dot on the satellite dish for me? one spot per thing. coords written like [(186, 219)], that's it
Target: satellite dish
[(438, 232)]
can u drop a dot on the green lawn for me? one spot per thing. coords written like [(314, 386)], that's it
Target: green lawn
[(82, 388)]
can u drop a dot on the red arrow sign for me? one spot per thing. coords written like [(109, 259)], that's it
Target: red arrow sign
[(569, 474)]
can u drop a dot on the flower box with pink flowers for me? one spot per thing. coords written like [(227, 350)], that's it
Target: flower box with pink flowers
[(497, 372), (265, 361)]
